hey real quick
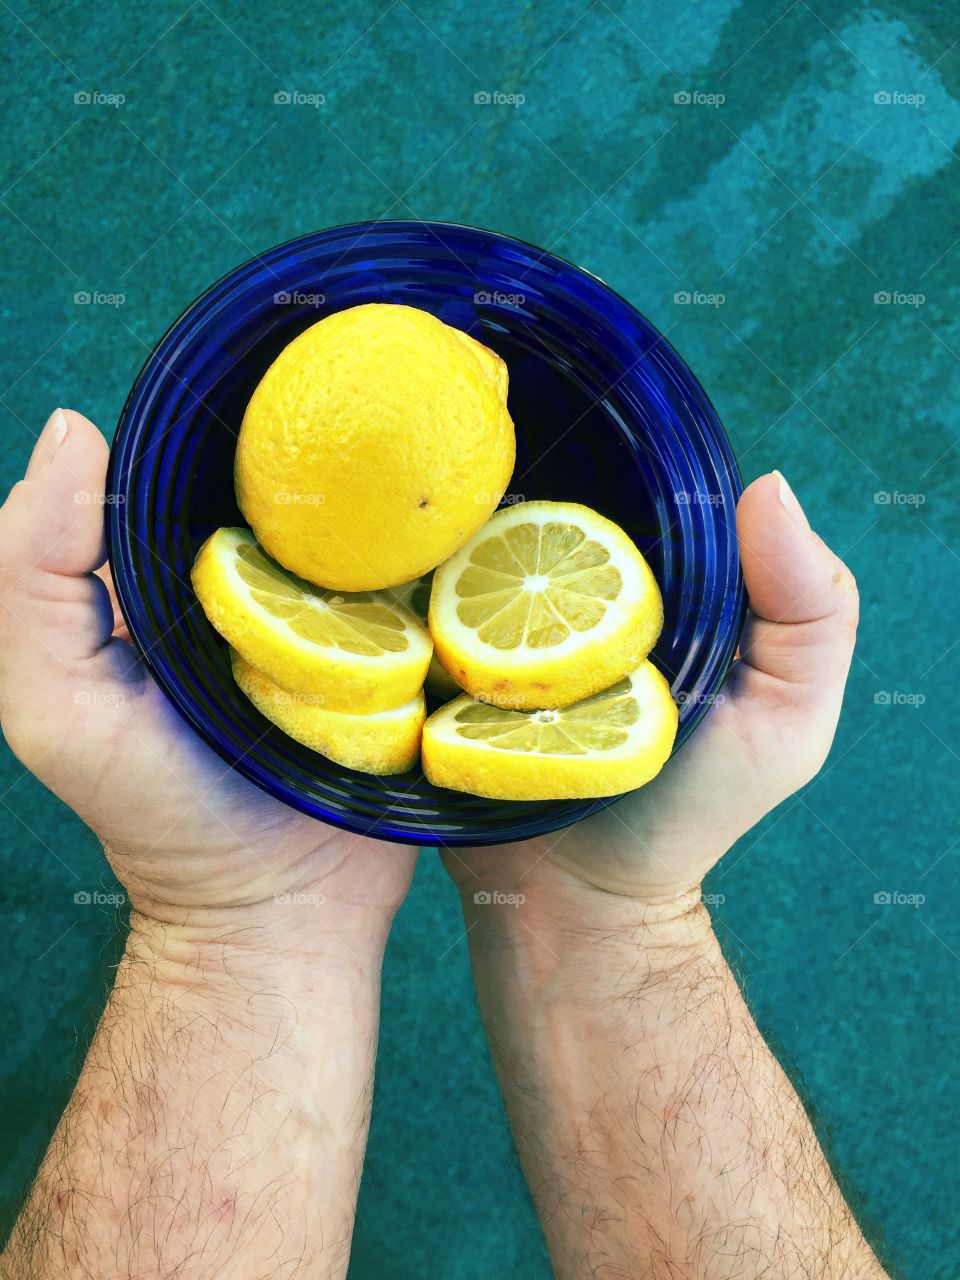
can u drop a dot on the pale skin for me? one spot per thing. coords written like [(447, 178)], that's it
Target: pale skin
[(219, 1123), (658, 1134)]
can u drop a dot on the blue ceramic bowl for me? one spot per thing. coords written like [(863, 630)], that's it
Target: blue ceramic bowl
[(606, 412)]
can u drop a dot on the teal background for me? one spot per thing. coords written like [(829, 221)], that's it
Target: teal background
[(798, 198)]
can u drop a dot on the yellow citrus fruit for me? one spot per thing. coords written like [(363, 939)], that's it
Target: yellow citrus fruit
[(416, 597), (380, 742), (362, 652), (609, 743), (549, 603), (376, 444)]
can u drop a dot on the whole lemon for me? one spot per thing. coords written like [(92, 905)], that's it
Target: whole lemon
[(376, 444)]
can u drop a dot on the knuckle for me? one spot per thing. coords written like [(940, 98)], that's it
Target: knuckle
[(845, 584), (848, 599), (9, 525)]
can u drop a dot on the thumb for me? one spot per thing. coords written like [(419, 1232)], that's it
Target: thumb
[(53, 519), (51, 539), (803, 599)]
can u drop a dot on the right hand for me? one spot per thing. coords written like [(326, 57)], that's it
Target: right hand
[(767, 736)]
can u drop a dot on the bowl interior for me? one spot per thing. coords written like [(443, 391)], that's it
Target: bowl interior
[(606, 414)]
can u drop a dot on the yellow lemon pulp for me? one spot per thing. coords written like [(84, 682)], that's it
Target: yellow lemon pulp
[(548, 603), (535, 585), (613, 741), (375, 445), (362, 651)]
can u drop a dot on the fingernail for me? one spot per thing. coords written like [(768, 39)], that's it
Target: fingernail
[(51, 438), (789, 500), (59, 428), (55, 430)]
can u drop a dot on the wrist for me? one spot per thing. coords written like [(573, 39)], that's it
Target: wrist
[(571, 938), (271, 948)]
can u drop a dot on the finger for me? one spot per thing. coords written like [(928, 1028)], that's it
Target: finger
[(803, 598), (53, 612)]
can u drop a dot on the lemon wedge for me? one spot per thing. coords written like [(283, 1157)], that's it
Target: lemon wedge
[(361, 652), (549, 603), (611, 742), (380, 742)]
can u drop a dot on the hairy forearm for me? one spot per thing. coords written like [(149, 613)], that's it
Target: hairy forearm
[(659, 1136), (218, 1126)]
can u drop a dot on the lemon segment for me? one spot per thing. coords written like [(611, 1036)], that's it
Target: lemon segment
[(362, 652), (415, 596), (613, 741), (376, 444), (381, 742), (549, 603)]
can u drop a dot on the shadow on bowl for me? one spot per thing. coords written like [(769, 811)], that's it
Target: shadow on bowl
[(606, 412)]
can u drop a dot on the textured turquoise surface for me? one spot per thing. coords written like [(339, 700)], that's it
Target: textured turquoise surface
[(798, 198)]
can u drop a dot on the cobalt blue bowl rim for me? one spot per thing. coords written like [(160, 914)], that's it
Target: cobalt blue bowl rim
[(131, 605)]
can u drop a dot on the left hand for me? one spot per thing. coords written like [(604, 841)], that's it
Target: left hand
[(192, 841)]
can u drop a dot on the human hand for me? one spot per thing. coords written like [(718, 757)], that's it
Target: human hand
[(193, 842), (768, 734), (652, 1122)]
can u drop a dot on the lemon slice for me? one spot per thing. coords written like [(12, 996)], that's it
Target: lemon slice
[(415, 596), (362, 652), (381, 742), (609, 743), (548, 603)]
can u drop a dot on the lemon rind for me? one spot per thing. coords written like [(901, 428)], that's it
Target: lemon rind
[(476, 767), (387, 742)]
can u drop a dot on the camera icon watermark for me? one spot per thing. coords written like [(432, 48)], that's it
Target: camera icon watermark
[(98, 698), (694, 298), (95, 298), (896, 298), (93, 98), (286, 498), (690, 898), (484, 498), (494, 98), (484, 297), (895, 98), (693, 498), (694, 98), (696, 699), (507, 701), (97, 898), (897, 698), (494, 898), (87, 498), (298, 299), (294, 98), (894, 498)]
